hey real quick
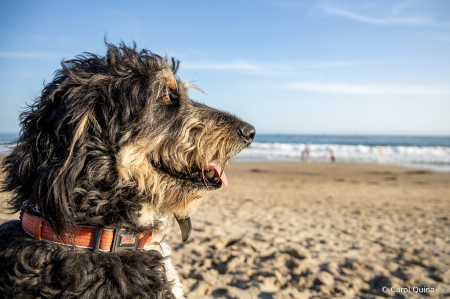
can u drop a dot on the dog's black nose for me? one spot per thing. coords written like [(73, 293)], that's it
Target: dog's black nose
[(247, 132)]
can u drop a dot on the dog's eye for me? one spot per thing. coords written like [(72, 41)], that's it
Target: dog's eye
[(170, 98)]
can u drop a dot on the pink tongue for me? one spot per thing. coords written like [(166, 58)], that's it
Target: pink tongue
[(218, 170)]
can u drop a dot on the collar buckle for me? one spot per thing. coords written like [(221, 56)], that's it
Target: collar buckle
[(123, 240)]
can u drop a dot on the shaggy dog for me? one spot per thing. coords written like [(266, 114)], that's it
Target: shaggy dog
[(110, 155)]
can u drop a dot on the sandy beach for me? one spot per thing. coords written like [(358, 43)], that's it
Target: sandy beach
[(320, 230)]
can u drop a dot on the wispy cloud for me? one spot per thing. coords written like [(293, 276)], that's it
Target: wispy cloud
[(400, 14), (401, 7), (384, 20), (255, 68), (367, 90), (264, 68), (52, 55), (23, 54), (330, 64), (232, 65)]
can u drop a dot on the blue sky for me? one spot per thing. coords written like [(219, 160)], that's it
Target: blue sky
[(306, 67)]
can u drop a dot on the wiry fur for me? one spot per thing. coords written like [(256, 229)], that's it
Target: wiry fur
[(42, 269), (90, 152)]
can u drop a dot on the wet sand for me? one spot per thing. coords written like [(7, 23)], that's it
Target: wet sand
[(321, 230)]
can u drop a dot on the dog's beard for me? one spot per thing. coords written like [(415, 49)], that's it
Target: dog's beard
[(178, 197), (171, 198), (176, 176), (165, 189)]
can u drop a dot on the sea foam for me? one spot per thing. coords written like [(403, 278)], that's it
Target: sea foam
[(435, 157)]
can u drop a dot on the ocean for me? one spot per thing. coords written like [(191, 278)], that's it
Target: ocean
[(430, 152)]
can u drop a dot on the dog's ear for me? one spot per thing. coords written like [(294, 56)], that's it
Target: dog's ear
[(51, 151)]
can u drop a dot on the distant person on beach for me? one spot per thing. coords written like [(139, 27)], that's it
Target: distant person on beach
[(332, 156), (307, 158), (382, 150)]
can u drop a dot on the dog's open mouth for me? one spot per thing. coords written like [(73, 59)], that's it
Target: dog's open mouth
[(212, 176)]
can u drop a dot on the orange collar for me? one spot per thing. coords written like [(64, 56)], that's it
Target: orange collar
[(94, 238)]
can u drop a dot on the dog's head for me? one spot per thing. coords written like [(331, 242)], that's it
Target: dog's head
[(115, 140)]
